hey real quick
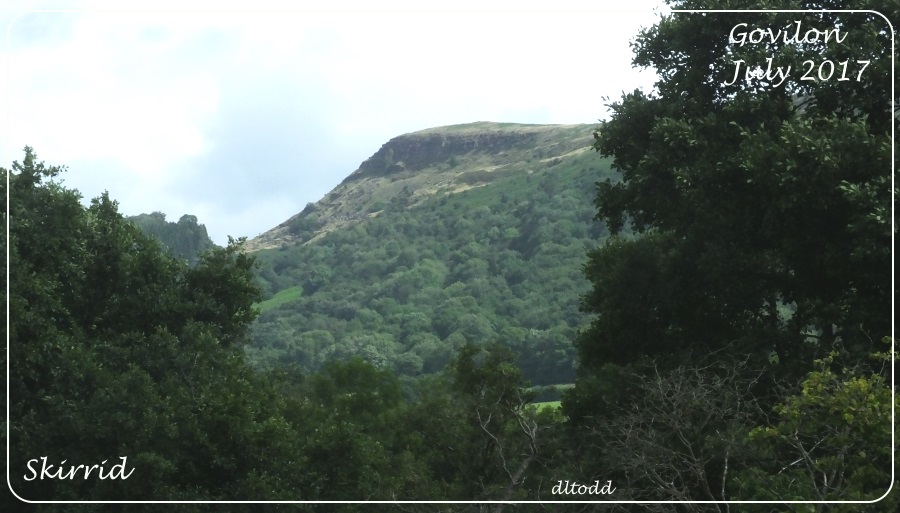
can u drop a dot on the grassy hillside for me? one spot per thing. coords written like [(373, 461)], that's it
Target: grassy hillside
[(497, 261), (283, 296), (412, 168)]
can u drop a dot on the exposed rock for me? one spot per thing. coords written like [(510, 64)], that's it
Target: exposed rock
[(417, 151), (410, 168)]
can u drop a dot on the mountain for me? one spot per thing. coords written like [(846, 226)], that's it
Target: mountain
[(439, 161), (185, 239), (473, 232)]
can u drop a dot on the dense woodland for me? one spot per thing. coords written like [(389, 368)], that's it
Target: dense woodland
[(737, 291), (406, 289)]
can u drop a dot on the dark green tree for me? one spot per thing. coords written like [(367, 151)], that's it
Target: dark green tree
[(830, 439), (751, 218), (504, 436), (762, 207), (119, 350)]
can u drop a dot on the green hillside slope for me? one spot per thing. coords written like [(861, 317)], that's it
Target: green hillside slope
[(483, 242)]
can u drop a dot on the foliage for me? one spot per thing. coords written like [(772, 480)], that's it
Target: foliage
[(283, 296), (480, 438), (748, 196), (751, 219), (120, 350), (394, 356), (407, 288), (832, 439)]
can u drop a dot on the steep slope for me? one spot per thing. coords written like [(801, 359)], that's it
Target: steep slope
[(414, 167), (475, 233)]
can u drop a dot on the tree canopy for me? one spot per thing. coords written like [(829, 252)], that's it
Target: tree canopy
[(750, 252), (738, 348), (117, 349), (408, 287), (764, 208)]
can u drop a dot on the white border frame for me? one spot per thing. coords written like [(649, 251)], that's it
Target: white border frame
[(893, 332)]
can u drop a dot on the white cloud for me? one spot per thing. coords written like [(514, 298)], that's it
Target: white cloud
[(243, 117)]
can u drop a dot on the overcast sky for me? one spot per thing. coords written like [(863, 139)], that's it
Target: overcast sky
[(242, 117)]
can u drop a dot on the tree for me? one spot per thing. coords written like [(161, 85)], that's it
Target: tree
[(493, 398), (119, 350), (831, 439), (350, 412), (680, 435), (750, 197), (750, 218)]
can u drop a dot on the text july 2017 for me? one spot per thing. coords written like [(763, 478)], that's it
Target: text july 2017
[(822, 70)]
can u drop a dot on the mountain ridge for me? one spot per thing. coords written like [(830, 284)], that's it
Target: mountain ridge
[(412, 167)]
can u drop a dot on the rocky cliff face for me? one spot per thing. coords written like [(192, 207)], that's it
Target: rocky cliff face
[(185, 239), (418, 151)]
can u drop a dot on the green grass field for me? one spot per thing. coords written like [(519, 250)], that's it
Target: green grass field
[(547, 404), (562, 387), (285, 296)]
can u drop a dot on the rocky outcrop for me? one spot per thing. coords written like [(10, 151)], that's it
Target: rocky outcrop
[(409, 169), (417, 151)]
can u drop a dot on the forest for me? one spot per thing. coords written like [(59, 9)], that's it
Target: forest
[(406, 289), (726, 337)]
